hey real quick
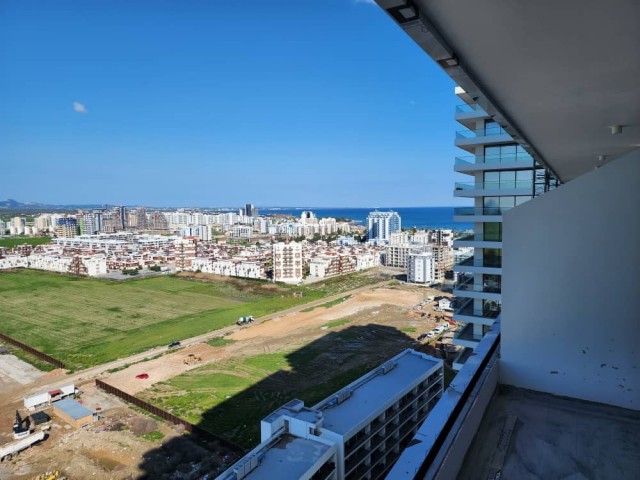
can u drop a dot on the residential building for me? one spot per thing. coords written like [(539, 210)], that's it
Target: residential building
[(157, 221), (241, 231), (66, 227), (381, 225), (186, 249), (421, 267), (355, 433), (398, 255), (250, 210), (568, 402), (502, 174), (17, 226), (287, 262)]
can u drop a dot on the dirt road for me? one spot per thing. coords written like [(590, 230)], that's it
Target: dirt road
[(256, 339)]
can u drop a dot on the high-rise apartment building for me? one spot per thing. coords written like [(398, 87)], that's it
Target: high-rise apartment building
[(381, 225), (287, 262), (502, 177), (66, 227), (250, 210)]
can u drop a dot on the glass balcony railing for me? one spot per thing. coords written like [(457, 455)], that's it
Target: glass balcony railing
[(482, 132), (479, 237), (487, 261), (467, 309), (501, 185), (484, 159), (471, 211), (470, 287), (466, 108)]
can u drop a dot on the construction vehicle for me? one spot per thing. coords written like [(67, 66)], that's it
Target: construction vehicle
[(10, 450), (245, 320), (21, 426), (191, 359)]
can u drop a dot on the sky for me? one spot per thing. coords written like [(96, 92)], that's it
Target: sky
[(206, 103)]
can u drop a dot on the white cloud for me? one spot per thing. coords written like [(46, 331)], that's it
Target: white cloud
[(370, 2), (80, 108)]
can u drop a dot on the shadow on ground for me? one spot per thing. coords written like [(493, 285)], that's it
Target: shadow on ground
[(313, 373)]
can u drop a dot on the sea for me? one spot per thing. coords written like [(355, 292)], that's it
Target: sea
[(419, 217)]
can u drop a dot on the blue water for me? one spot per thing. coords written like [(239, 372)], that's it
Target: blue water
[(419, 217)]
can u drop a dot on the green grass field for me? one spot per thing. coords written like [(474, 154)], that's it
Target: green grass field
[(13, 241), (86, 322), (230, 398)]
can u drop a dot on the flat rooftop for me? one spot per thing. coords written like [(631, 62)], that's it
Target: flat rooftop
[(288, 459), (372, 391), (553, 437), (72, 408)]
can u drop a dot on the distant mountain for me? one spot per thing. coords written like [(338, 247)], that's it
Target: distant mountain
[(14, 205), (10, 203)]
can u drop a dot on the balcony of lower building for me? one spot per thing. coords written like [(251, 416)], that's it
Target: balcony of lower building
[(461, 358), (479, 240), (500, 188), (469, 114), (470, 139), (470, 164), (479, 214), (488, 264), (485, 313), (467, 336)]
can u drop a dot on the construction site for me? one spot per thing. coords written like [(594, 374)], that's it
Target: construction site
[(220, 384)]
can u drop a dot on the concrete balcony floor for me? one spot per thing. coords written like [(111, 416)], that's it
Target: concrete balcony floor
[(553, 437)]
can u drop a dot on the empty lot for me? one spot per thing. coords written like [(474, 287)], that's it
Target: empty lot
[(86, 322)]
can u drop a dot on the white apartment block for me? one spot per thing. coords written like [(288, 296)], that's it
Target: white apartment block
[(358, 432), (95, 264), (229, 267), (421, 267), (287, 262), (241, 231)]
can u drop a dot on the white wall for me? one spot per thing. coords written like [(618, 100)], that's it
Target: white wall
[(571, 288)]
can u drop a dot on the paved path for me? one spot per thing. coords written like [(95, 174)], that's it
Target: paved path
[(49, 382)]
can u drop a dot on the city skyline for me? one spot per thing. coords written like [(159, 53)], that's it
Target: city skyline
[(187, 105)]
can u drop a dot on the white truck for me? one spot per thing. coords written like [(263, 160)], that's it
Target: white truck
[(10, 450)]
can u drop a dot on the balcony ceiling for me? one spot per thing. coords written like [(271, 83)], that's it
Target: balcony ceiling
[(556, 74)]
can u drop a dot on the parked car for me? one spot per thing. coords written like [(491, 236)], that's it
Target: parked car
[(422, 336), (430, 334), (175, 343), (143, 376)]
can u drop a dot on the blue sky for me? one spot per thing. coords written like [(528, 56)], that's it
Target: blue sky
[(207, 103)]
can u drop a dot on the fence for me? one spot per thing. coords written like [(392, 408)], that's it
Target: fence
[(189, 427), (33, 351)]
